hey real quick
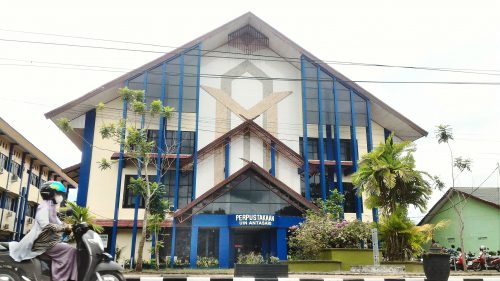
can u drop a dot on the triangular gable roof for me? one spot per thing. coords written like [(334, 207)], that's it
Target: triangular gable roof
[(487, 195), (382, 113), (282, 190), (250, 126)]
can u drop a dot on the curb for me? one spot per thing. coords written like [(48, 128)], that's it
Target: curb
[(196, 278)]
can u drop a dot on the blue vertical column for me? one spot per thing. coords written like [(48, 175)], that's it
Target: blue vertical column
[(227, 151), (137, 198), (86, 162), (281, 243), (329, 156), (177, 159), (193, 250), (321, 144), (224, 247), (338, 160), (304, 128), (195, 153), (369, 144), (118, 181), (354, 153), (21, 200), (161, 129), (273, 159), (26, 196)]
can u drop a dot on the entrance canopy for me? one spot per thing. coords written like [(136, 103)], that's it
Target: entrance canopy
[(251, 190)]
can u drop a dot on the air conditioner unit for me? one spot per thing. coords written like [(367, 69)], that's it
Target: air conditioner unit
[(14, 177), (9, 214), (6, 226)]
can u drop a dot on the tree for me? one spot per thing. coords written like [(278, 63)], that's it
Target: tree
[(132, 134), (389, 178), (444, 134)]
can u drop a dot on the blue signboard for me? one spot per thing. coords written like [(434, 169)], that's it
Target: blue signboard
[(252, 220)]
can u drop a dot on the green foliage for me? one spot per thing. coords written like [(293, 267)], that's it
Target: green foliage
[(251, 258), (100, 106), (320, 231), (64, 125), (389, 178), (81, 214), (104, 164), (156, 107), (402, 239), (332, 205), (444, 133), (207, 262), (108, 131), (139, 107), (463, 163), (167, 111)]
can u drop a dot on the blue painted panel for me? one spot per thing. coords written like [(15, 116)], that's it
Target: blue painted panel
[(322, 179), (329, 156), (338, 166), (224, 247), (369, 143), (227, 151), (114, 230), (354, 153), (273, 159), (193, 247), (210, 220), (172, 248), (88, 141), (205, 220), (304, 128), (281, 243), (195, 156)]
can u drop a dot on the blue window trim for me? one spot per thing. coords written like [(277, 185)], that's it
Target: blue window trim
[(338, 162), (273, 159), (304, 128)]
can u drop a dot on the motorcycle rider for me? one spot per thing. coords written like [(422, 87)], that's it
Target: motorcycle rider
[(44, 237)]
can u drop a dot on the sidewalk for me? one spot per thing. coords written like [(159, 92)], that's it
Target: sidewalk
[(486, 276)]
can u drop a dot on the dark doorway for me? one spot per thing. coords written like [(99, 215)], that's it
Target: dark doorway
[(257, 240)]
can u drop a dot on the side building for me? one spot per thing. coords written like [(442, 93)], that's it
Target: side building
[(23, 169), (261, 128), (480, 211)]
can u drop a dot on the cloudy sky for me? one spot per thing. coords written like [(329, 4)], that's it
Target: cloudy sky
[(36, 78)]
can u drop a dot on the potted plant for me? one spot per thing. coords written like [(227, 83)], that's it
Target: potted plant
[(254, 265), (436, 261)]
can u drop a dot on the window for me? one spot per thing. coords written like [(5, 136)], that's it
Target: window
[(313, 149), (34, 179), (208, 242), (31, 210), (42, 182), (3, 161), (187, 141), (128, 194), (250, 195), (16, 169), (350, 198), (314, 185), (185, 187), (10, 203)]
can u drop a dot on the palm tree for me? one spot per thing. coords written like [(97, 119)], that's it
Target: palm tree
[(444, 134), (389, 177)]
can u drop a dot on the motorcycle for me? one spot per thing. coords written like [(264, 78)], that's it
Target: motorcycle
[(495, 263), (93, 263)]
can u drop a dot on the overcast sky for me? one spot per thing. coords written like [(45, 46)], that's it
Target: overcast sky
[(441, 34)]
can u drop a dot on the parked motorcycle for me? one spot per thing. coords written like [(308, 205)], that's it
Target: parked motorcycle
[(93, 263), (495, 263)]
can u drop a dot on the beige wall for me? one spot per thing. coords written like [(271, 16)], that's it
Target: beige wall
[(123, 240)]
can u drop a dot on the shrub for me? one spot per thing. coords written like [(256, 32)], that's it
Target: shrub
[(207, 262), (320, 231), (251, 258)]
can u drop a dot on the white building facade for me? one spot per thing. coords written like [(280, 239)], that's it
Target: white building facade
[(264, 129)]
